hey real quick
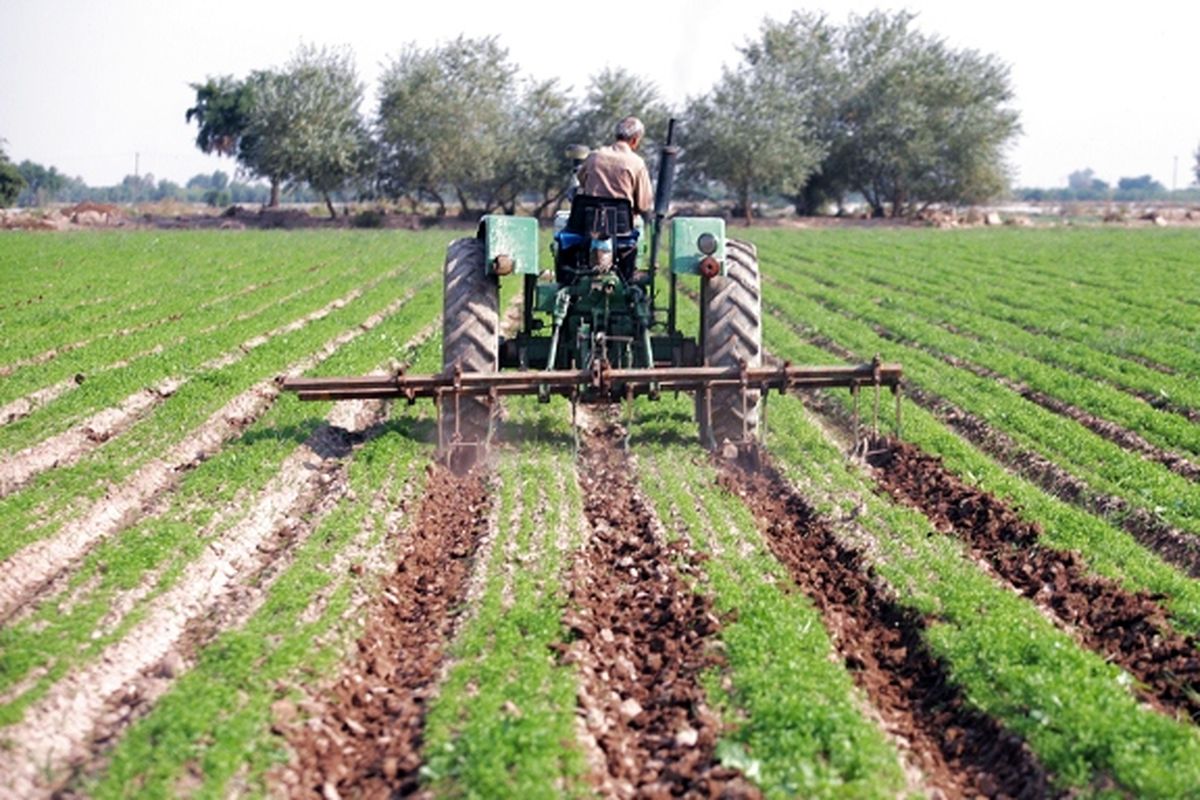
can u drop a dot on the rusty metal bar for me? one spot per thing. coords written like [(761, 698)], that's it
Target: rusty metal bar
[(601, 380)]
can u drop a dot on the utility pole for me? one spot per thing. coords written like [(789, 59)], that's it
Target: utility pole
[(1175, 175)]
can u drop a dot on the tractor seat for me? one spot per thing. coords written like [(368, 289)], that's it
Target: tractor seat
[(603, 217)]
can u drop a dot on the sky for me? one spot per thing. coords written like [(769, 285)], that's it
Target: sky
[(98, 88)]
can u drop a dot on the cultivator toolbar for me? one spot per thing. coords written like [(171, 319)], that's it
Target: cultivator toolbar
[(605, 383)]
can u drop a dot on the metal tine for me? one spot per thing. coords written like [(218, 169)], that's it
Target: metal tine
[(628, 417)]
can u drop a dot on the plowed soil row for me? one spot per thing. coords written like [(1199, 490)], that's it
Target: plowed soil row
[(366, 739), (1130, 628), (1172, 544), (960, 751), (1117, 434), (643, 640)]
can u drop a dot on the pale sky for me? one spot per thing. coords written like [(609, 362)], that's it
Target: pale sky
[(86, 85)]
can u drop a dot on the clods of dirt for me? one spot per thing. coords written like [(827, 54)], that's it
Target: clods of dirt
[(1130, 628), (960, 751), (363, 738), (642, 640)]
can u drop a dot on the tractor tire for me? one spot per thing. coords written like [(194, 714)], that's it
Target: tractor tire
[(732, 309), (471, 339)]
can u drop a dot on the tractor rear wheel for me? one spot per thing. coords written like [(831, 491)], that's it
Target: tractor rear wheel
[(732, 314), (470, 339)]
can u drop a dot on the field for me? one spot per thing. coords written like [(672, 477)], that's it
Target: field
[(209, 588)]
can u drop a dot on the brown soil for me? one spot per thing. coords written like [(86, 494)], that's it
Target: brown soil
[(1130, 628), (1118, 435), (1173, 545), (960, 751), (366, 736), (642, 641)]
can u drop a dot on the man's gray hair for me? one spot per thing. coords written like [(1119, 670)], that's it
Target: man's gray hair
[(629, 129)]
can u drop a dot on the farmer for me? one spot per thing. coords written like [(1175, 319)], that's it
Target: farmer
[(615, 170)]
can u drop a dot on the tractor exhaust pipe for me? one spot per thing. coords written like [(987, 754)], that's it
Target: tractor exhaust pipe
[(667, 156)]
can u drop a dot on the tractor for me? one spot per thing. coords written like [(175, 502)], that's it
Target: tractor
[(594, 328)]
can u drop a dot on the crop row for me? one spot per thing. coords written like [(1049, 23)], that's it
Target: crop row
[(1037, 308), (914, 317), (1105, 466)]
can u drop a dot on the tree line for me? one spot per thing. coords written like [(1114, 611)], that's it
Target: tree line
[(812, 111)]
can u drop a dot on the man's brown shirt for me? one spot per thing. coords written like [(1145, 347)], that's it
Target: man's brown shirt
[(616, 171)]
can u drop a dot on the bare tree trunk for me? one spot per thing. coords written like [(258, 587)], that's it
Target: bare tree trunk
[(746, 209), (274, 202), (437, 198), (464, 209), (550, 202), (329, 205)]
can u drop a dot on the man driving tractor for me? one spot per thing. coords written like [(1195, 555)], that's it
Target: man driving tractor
[(616, 170)]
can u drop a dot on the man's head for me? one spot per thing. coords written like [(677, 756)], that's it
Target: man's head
[(630, 130)]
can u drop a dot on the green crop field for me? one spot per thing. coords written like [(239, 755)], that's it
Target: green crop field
[(210, 588)]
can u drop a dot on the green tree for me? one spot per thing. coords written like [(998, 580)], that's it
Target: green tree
[(304, 125), (11, 180), (613, 94), (541, 131), (1197, 168), (445, 120), (919, 122), (221, 112), (42, 184), (754, 130)]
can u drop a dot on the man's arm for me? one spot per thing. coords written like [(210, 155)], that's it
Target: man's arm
[(643, 195)]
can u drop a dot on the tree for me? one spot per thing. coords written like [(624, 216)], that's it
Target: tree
[(304, 125), (541, 131), (745, 133), (612, 95), (445, 120), (1197, 169), (1142, 183), (11, 180), (42, 184), (222, 111), (919, 122), (754, 130)]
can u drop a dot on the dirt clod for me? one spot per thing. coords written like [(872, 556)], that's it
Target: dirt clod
[(640, 644), (366, 740), (1130, 628), (960, 751)]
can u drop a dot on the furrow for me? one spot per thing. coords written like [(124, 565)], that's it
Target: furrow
[(60, 730), (959, 750), (71, 445), (366, 739), (1107, 429), (643, 640), (1173, 545), (1129, 628), (24, 406), (27, 572)]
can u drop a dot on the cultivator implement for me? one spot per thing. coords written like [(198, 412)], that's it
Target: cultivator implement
[(604, 382)]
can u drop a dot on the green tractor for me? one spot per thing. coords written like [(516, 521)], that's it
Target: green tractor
[(594, 328)]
